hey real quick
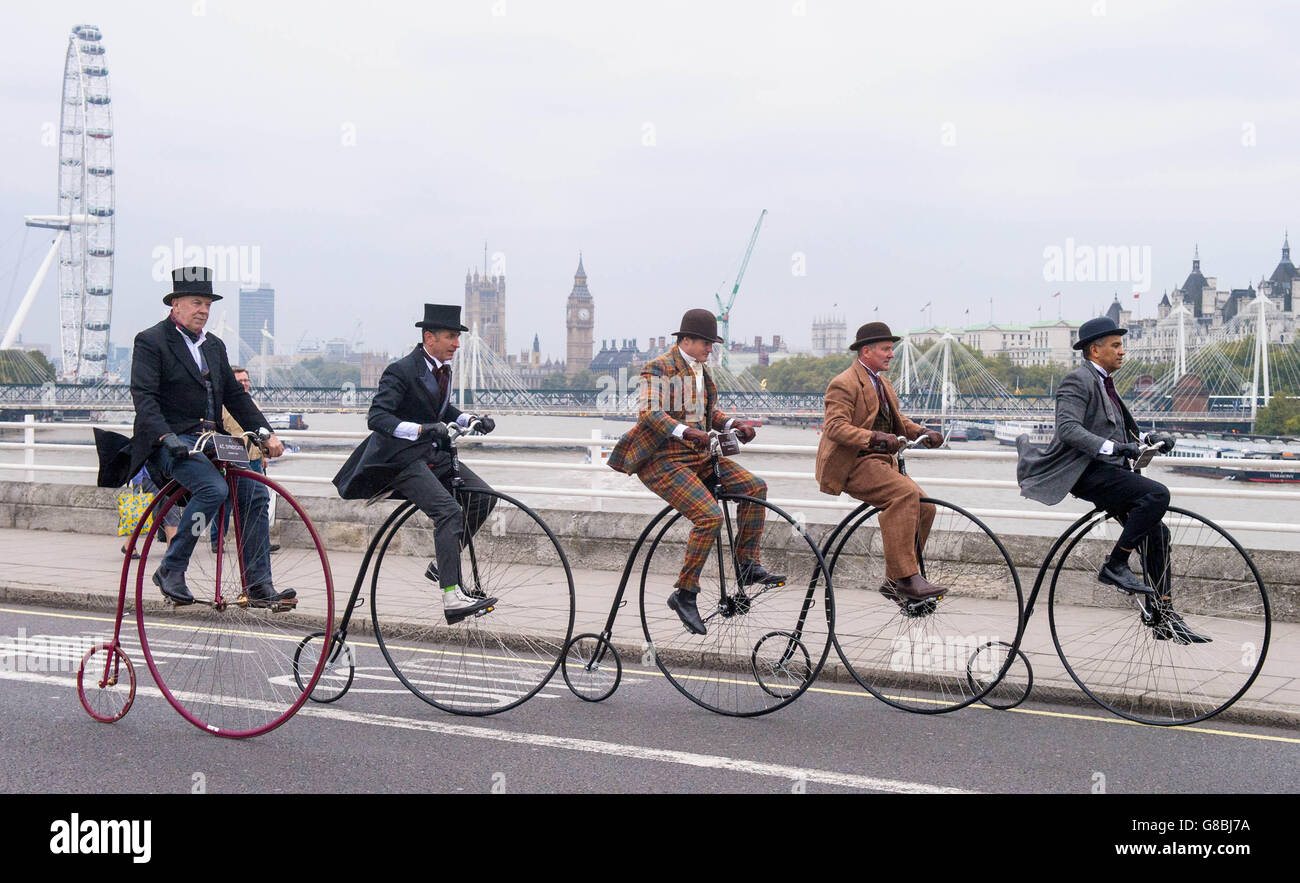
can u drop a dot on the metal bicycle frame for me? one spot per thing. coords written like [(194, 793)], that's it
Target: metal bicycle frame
[(718, 489)]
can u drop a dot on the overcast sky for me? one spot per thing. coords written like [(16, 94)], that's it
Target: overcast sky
[(909, 152)]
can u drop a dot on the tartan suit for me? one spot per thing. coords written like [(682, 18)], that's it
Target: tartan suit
[(675, 471)]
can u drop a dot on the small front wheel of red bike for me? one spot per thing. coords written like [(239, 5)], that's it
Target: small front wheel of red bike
[(106, 683)]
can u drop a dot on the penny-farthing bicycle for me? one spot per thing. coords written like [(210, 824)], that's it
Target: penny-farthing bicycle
[(226, 662), (1180, 655), (480, 664), (930, 656), (764, 645)]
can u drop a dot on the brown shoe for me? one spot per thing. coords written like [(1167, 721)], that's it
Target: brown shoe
[(917, 588)]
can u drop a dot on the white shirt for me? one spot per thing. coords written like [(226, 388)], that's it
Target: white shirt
[(193, 344), (411, 431), (697, 368), (1108, 447)]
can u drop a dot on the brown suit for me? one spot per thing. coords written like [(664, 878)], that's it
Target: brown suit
[(844, 467)]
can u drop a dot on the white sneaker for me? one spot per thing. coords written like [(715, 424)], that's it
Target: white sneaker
[(456, 604)]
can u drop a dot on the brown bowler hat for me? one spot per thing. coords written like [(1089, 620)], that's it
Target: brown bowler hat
[(871, 333), (699, 323)]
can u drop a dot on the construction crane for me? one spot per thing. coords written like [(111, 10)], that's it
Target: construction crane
[(724, 310)]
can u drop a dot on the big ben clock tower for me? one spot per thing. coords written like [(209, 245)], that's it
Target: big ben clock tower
[(580, 320)]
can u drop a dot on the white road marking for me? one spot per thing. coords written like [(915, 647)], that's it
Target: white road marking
[(567, 743)]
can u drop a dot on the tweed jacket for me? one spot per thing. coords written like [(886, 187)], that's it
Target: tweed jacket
[(665, 397), (1085, 420), (851, 406)]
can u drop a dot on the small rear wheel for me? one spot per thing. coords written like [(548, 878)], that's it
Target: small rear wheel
[(1007, 691), (340, 667), (592, 668), (106, 683)]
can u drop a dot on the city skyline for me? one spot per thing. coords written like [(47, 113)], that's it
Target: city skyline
[(891, 176)]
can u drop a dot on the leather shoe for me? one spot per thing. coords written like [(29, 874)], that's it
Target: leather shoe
[(917, 588), (265, 595), (752, 573), (135, 554), (1119, 576), (173, 586), (683, 602), (1172, 627)]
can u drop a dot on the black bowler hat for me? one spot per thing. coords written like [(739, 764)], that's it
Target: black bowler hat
[(699, 323), (191, 281), (1102, 326), (871, 333), (444, 317)]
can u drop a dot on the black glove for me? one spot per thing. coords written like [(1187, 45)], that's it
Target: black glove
[(437, 435), (175, 447), (1128, 450), (1164, 439), (485, 424)]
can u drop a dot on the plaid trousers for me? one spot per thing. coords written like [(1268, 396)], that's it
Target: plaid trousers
[(681, 485)]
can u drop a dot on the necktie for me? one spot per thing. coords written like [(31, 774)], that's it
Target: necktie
[(1114, 396), (443, 376), (880, 394)]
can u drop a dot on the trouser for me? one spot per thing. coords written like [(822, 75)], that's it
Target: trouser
[(1139, 504), (208, 491), (681, 485), (428, 487), (245, 486), (904, 520)]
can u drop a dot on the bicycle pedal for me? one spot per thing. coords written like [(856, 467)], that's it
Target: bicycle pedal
[(485, 611)]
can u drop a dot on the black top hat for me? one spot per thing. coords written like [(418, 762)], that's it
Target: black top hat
[(1102, 326), (699, 323), (187, 281), (871, 333), (441, 316)]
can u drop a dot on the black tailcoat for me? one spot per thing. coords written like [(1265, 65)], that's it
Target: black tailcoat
[(169, 396), (403, 396)]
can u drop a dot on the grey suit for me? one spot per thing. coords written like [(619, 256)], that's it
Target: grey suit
[(1085, 419)]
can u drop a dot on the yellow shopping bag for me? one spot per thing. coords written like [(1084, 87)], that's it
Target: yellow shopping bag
[(131, 504)]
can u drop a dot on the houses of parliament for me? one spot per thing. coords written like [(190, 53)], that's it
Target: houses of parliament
[(485, 313)]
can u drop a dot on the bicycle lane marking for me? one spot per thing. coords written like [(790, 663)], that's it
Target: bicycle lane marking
[(566, 743), (1038, 712)]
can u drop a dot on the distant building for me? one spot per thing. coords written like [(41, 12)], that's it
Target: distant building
[(579, 324), (615, 355), (256, 311), (1038, 343), (485, 309), (745, 355), (529, 368), (829, 335)]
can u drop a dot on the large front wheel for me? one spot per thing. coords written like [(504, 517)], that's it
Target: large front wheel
[(480, 664), (765, 644), (1179, 657), (230, 664), (932, 656)]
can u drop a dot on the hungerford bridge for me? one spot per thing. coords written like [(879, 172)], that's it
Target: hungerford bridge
[(1200, 389), (70, 401)]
